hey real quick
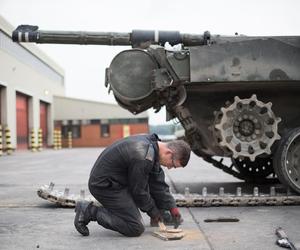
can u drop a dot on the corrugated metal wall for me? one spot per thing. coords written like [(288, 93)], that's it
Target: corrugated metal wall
[(22, 121)]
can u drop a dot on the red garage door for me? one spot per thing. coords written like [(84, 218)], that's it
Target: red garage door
[(44, 121), (0, 106), (22, 121)]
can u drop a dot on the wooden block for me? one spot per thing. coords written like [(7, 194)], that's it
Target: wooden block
[(168, 236), (173, 230), (162, 226), (165, 233)]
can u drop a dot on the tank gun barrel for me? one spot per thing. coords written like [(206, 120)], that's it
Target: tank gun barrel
[(137, 38)]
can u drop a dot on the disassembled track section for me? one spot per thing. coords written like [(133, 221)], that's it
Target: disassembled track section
[(65, 199)]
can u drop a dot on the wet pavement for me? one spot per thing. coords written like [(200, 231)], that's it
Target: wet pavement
[(29, 222)]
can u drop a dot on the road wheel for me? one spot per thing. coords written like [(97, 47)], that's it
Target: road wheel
[(287, 160), (254, 171)]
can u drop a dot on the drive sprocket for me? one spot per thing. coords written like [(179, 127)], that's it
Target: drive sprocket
[(248, 127)]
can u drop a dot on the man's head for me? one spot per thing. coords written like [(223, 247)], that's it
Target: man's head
[(174, 154)]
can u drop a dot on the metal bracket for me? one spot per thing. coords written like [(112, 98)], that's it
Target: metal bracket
[(161, 79)]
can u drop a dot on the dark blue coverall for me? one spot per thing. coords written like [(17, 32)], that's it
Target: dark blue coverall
[(127, 177)]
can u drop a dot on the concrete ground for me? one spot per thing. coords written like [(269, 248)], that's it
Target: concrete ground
[(28, 222)]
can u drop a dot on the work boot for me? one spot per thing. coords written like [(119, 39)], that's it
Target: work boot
[(85, 212), (167, 219)]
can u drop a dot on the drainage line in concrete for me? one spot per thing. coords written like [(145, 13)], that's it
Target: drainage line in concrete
[(173, 187)]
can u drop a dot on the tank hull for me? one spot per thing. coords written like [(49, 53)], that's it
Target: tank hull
[(203, 100)]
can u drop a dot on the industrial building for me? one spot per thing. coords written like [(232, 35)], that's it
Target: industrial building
[(32, 98), (94, 123)]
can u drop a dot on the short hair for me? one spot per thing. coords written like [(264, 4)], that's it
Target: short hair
[(182, 151)]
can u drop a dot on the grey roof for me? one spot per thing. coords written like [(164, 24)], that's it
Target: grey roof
[(66, 108)]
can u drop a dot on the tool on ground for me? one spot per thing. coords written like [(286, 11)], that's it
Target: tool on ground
[(283, 240), (176, 223), (165, 233), (222, 219)]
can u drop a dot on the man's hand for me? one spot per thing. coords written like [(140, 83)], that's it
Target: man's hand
[(176, 216), (156, 218)]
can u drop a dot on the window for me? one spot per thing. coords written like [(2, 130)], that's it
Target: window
[(95, 121), (128, 121), (76, 132), (64, 131), (104, 130), (75, 129)]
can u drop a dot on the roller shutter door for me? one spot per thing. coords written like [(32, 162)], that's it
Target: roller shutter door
[(22, 121), (44, 121), (0, 106)]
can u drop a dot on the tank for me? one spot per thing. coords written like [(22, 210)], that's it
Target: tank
[(235, 96)]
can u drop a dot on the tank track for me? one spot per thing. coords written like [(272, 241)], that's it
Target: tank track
[(238, 199), (232, 171), (227, 169), (65, 199)]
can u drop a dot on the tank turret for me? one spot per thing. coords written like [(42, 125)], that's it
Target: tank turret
[(235, 96)]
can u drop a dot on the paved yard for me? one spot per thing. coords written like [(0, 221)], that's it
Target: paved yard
[(28, 222)]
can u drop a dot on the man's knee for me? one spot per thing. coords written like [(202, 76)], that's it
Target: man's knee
[(136, 230)]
